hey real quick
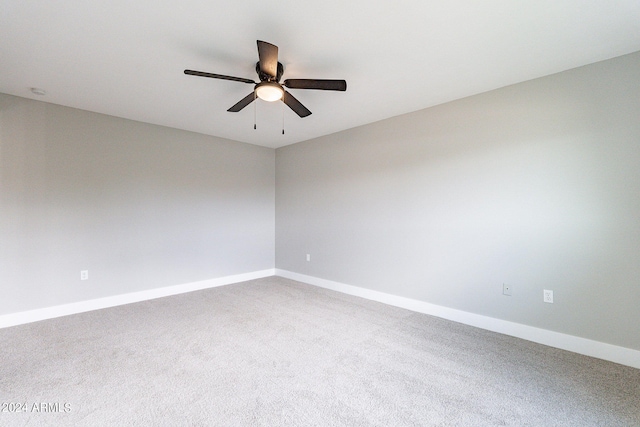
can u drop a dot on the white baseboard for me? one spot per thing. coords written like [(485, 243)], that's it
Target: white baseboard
[(600, 350), (617, 354), (14, 319)]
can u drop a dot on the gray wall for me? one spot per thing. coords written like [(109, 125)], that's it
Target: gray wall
[(536, 185), (139, 206)]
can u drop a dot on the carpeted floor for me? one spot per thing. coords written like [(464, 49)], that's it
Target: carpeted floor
[(274, 352)]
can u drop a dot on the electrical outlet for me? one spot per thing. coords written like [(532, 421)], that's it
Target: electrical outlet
[(84, 275), (308, 257), (547, 296), (506, 289)]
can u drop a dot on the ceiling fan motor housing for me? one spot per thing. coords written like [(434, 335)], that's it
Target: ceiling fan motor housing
[(264, 77)]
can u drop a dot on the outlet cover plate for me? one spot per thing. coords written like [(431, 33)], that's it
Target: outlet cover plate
[(547, 296), (506, 289)]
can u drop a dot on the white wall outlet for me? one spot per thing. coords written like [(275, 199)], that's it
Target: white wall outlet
[(506, 289), (84, 275), (308, 257), (547, 296)]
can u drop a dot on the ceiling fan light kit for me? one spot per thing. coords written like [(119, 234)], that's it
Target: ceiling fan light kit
[(269, 88), (269, 91)]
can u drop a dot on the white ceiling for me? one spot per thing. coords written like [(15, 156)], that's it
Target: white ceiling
[(126, 58)]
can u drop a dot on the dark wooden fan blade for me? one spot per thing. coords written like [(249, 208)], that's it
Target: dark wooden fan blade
[(295, 105), (268, 54), (242, 103), (218, 76), (316, 84)]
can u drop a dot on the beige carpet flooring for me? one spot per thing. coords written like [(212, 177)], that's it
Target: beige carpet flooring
[(274, 352)]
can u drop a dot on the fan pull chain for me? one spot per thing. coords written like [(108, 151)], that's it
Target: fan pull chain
[(282, 117), (254, 110)]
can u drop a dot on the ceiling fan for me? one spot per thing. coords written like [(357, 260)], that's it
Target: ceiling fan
[(269, 88)]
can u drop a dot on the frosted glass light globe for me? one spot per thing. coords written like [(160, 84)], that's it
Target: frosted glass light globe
[(269, 91)]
